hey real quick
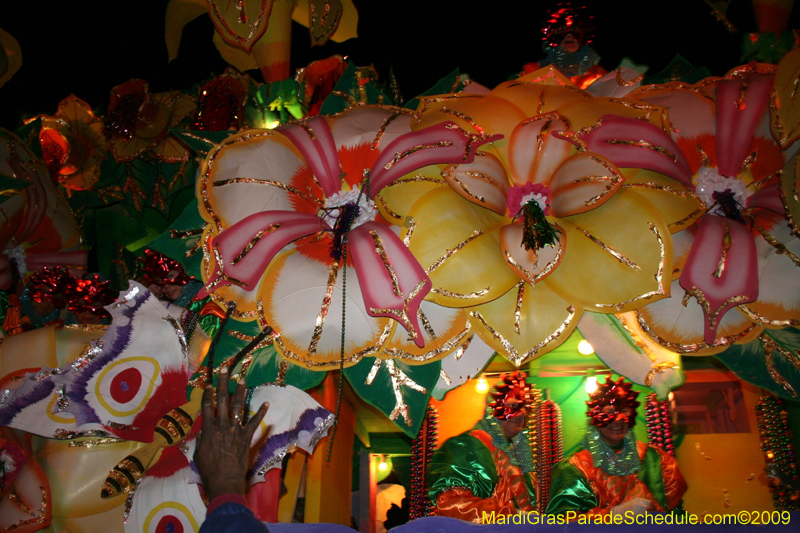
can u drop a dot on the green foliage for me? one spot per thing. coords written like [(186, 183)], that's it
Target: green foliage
[(748, 361)]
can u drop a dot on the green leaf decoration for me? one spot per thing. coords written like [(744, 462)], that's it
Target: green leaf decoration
[(29, 134), (678, 70), (201, 142), (266, 367), (10, 187), (356, 86), (766, 47), (180, 241), (398, 390), (772, 361), (274, 103), (265, 362), (452, 83)]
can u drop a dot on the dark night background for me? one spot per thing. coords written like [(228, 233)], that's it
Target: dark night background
[(86, 47)]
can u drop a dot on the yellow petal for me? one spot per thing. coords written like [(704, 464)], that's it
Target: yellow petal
[(458, 243), (482, 182), (533, 151), (445, 329), (790, 192), (481, 114), (586, 113), (396, 199), (583, 182), (786, 112), (525, 323), (179, 14), (679, 207), (618, 258), (531, 265), (535, 97)]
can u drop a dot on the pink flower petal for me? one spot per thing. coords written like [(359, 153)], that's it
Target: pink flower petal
[(444, 143), (740, 105), (721, 270), (315, 141), (248, 247), (768, 197), (629, 142), (393, 284)]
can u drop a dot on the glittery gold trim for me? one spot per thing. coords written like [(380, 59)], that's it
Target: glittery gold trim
[(448, 254), (770, 347), (461, 296), (399, 379), (249, 338), (376, 141), (518, 308), (419, 178), (661, 290), (443, 375), (627, 83), (386, 264), (475, 197), (755, 317), (257, 237), (39, 517), (86, 328), (511, 352), (726, 247), (779, 248), (712, 314), (221, 273), (91, 443), (615, 254), (694, 347), (426, 324), (185, 234), (386, 208), (333, 273), (446, 347), (288, 188), (401, 315), (658, 368), (402, 155), (637, 340), (644, 144), (411, 224)]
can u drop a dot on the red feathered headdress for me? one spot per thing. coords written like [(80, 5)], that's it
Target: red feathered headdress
[(619, 395), (510, 386)]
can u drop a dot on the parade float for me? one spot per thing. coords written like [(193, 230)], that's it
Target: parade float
[(372, 266)]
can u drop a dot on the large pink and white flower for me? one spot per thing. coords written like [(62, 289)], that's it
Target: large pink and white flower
[(736, 268), (292, 214)]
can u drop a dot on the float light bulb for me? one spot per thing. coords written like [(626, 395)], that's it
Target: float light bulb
[(585, 348), (382, 466), (770, 455), (591, 384), (482, 386)]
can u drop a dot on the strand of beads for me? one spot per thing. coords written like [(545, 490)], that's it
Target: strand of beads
[(659, 424), (422, 449), (551, 448), (776, 443), (534, 399)]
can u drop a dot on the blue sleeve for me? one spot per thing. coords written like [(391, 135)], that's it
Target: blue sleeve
[(232, 518)]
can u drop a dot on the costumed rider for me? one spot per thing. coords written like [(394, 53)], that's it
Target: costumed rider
[(566, 34), (612, 472), (489, 468)]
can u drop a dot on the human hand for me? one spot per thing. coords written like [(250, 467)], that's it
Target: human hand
[(637, 505), (222, 452)]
